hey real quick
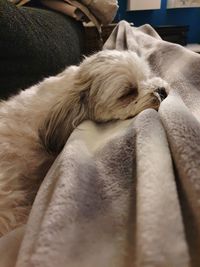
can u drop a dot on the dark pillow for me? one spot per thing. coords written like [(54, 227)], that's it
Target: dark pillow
[(35, 43)]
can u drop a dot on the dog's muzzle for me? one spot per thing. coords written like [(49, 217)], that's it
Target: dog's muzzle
[(160, 93)]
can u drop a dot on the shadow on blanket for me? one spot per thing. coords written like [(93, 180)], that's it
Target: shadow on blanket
[(125, 193)]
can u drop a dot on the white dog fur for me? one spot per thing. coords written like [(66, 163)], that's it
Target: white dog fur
[(35, 124)]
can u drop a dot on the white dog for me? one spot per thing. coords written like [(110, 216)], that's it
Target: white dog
[(35, 124)]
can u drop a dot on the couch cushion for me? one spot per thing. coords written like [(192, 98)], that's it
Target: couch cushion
[(35, 43)]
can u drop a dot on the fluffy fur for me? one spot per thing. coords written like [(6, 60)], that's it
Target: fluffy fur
[(35, 124)]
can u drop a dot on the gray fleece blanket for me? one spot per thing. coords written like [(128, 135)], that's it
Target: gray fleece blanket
[(124, 194)]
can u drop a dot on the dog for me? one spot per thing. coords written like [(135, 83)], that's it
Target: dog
[(36, 123)]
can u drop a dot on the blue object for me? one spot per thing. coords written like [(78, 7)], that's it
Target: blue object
[(164, 16)]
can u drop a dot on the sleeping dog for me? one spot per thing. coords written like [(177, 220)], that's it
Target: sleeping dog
[(35, 124)]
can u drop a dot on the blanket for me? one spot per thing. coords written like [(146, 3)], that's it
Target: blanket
[(97, 11), (126, 193)]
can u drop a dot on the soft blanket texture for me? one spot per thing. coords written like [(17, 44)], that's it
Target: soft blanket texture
[(124, 193)]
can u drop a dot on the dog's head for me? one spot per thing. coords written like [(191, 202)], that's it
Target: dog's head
[(109, 85)]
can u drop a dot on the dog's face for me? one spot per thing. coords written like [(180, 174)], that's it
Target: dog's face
[(117, 85), (107, 86)]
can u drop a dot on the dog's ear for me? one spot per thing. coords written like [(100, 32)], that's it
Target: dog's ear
[(64, 116)]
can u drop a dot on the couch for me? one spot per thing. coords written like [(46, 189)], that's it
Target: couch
[(34, 43)]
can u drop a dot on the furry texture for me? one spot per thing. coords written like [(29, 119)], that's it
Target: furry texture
[(35, 125)]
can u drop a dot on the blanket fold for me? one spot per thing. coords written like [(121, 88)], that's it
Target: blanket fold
[(158, 226), (126, 193)]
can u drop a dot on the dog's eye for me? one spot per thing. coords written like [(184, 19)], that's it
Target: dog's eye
[(129, 95)]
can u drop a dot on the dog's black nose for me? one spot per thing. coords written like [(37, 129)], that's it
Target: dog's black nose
[(162, 93)]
